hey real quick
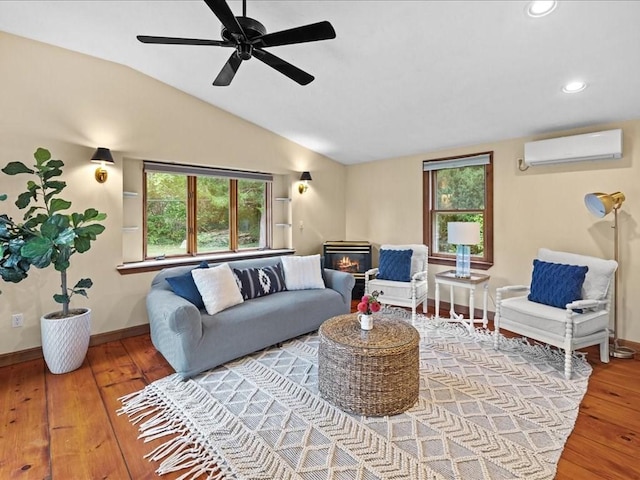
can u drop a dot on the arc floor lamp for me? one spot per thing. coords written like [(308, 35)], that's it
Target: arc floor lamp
[(600, 205)]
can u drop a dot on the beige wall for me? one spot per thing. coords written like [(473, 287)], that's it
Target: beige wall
[(541, 207), (72, 103)]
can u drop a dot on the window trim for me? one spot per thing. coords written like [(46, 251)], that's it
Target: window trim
[(192, 172), (428, 200)]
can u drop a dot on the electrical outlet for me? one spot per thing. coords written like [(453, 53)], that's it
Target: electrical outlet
[(17, 320)]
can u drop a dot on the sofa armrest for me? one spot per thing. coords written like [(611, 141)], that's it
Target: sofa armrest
[(587, 304), (168, 311), (341, 282)]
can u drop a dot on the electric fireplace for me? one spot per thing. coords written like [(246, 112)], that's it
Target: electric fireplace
[(349, 256)]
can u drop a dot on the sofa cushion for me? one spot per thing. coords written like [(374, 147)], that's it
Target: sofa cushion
[(218, 288), (302, 272), (257, 282), (556, 284), (184, 286), (418, 259), (395, 265)]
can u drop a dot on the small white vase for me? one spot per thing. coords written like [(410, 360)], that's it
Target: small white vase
[(65, 341), (366, 321)]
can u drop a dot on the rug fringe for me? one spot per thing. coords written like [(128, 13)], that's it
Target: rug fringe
[(184, 450)]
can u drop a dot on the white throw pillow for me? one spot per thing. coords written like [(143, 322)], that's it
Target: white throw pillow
[(302, 273), (218, 288)]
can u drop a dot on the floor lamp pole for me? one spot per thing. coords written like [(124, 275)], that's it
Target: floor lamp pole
[(616, 350)]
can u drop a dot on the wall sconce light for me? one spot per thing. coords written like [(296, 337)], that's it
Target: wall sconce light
[(103, 156), (305, 178)]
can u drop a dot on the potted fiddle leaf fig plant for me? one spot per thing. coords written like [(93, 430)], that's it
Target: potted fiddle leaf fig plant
[(48, 236)]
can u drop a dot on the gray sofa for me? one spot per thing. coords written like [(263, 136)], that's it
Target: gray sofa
[(193, 341)]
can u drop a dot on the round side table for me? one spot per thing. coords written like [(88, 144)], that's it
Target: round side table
[(369, 372)]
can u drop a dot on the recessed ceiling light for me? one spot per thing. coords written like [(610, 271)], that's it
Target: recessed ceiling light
[(574, 87), (541, 8)]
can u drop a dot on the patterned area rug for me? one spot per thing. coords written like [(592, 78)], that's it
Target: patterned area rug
[(481, 414)]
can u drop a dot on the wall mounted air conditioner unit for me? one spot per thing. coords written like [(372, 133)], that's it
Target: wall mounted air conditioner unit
[(575, 148)]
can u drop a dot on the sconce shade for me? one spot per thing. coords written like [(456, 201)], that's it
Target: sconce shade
[(463, 233), (305, 177), (601, 204), (102, 155), (304, 182)]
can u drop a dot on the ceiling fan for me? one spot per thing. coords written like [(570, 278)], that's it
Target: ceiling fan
[(249, 38)]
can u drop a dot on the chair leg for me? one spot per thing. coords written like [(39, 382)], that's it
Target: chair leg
[(496, 321), (568, 366)]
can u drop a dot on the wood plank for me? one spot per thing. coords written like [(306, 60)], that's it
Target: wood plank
[(83, 443), (133, 448), (570, 471), (603, 461), (151, 362), (24, 438), (111, 363)]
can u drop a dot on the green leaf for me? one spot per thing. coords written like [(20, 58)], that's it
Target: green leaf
[(91, 231), (66, 237), (3, 197), (59, 298), (82, 244), (56, 185), (50, 173), (58, 204), (36, 247), (76, 219), (83, 283), (31, 211), (11, 275), (81, 292), (24, 199), (42, 155), (14, 168)]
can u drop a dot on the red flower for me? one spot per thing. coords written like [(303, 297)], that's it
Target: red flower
[(369, 303)]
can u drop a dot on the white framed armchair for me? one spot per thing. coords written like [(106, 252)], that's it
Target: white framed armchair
[(403, 284), (578, 323)]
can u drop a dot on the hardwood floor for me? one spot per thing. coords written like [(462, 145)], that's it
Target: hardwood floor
[(62, 427)]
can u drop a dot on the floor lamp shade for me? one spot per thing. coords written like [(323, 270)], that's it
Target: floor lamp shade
[(463, 234)]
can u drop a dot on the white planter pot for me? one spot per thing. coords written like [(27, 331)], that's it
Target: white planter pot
[(65, 340)]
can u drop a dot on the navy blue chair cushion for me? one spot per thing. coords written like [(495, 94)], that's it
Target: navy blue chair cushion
[(258, 282), (556, 284), (395, 265), (184, 286)]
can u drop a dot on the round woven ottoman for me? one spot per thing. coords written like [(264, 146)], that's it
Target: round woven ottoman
[(368, 372)]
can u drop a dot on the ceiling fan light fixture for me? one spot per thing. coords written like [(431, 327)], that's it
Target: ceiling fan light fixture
[(540, 8)]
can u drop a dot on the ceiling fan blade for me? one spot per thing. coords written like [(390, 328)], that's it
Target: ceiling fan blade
[(182, 41), (294, 73), (225, 15), (306, 33), (228, 71)]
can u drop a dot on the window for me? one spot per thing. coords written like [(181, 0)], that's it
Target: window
[(198, 210), (458, 189)]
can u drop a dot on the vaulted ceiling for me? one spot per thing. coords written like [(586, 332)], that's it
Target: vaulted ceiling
[(400, 78)]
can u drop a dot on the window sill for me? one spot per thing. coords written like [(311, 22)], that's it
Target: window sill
[(156, 265), (476, 264)]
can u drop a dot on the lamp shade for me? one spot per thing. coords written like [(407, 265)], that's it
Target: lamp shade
[(306, 176), (463, 233), (601, 204), (102, 155)]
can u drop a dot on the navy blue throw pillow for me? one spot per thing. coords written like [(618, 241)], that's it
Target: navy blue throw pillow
[(258, 282), (395, 265), (184, 286), (556, 284)]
